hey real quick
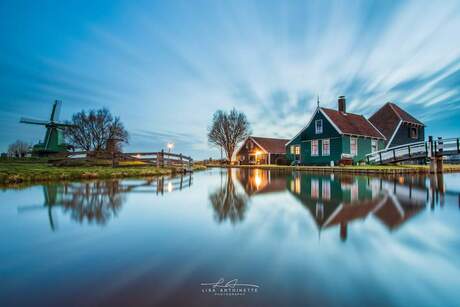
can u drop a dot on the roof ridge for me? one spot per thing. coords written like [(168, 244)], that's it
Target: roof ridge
[(394, 110)]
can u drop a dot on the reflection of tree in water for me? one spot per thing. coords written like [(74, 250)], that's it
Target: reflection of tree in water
[(227, 202), (94, 201)]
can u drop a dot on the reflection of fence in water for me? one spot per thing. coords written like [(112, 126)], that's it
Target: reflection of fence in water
[(99, 201)]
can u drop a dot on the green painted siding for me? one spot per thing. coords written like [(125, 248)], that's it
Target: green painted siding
[(364, 147), (338, 144)]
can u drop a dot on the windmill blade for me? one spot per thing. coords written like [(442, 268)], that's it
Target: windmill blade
[(56, 110), (32, 121)]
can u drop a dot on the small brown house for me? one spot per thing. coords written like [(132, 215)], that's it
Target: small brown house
[(398, 126), (258, 150)]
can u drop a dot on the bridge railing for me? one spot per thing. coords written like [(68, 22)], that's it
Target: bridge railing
[(406, 151), (443, 146)]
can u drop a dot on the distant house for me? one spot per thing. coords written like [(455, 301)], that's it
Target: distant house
[(398, 126), (259, 150), (332, 135)]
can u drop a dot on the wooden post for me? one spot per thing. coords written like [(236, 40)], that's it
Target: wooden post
[(158, 159), (408, 149), (458, 145), (430, 139), (394, 154), (380, 155), (162, 158), (180, 158)]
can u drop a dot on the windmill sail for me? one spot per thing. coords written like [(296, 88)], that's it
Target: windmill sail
[(32, 121), (55, 111)]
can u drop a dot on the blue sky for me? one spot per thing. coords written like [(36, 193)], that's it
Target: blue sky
[(165, 66)]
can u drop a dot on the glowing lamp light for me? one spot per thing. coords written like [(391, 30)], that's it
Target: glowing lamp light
[(138, 156), (170, 146)]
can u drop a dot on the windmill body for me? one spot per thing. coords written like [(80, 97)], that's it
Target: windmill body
[(54, 136)]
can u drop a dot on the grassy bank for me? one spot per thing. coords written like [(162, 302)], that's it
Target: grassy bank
[(27, 171), (358, 169)]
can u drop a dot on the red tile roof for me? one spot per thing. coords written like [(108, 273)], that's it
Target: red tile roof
[(271, 145), (387, 119), (404, 115), (350, 123)]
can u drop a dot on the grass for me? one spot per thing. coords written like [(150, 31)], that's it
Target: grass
[(383, 169), (17, 171)]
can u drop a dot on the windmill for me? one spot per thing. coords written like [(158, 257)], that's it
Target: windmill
[(54, 137)]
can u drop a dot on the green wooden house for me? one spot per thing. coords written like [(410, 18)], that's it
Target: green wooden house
[(334, 136)]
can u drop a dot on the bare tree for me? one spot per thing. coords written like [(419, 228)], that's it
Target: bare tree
[(227, 130), (96, 130), (18, 149)]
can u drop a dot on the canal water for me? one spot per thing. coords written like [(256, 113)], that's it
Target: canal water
[(233, 238)]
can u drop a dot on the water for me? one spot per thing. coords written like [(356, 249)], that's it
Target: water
[(290, 239)]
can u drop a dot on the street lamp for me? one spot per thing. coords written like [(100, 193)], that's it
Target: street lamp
[(170, 146)]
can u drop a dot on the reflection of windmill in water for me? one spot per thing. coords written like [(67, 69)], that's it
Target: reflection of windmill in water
[(54, 136), (99, 201)]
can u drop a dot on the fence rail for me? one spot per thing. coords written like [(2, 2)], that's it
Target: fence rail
[(159, 159), (416, 151)]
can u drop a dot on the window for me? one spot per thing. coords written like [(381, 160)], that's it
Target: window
[(297, 150), (314, 147), (413, 132), (374, 146), (314, 188), (295, 185), (353, 146), (319, 126), (319, 211), (326, 190), (326, 147)]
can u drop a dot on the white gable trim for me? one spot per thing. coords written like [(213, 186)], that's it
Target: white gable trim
[(331, 122), (310, 121), (375, 128), (394, 134), (304, 128), (266, 151)]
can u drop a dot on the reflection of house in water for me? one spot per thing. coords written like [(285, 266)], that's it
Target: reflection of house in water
[(339, 200), (259, 181), (99, 201)]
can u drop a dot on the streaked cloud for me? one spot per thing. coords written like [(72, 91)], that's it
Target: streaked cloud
[(167, 66)]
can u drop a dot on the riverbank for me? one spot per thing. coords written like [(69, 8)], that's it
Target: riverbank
[(355, 169), (24, 171)]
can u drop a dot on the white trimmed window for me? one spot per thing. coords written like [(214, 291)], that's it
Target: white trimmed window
[(374, 146), (325, 190), (326, 147), (314, 188), (354, 146), (297, 150), (319, 126), (314, 147)]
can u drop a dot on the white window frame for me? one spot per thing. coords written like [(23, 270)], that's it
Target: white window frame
[(320, 129), (324, 153), (292, 147), (351, 148), (374, 144), (314, 154)]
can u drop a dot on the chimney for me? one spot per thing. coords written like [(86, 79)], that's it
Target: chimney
[(342, 104)]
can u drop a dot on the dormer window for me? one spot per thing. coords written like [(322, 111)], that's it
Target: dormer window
[(319, 126)]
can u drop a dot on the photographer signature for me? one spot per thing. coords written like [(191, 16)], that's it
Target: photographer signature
[(229, 284)]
